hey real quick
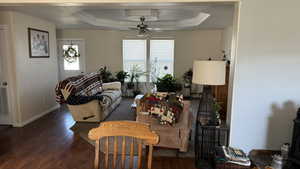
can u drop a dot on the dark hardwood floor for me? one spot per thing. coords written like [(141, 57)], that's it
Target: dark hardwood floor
[(48, 143)]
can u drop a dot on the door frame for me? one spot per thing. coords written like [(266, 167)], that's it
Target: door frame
[(7, 74), (82, 54)]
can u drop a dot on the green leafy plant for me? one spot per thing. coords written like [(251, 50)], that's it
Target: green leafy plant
[(135, 73), (130, 85), (121, 76), (216, 107), (106, 75), (168, 84), (187, 77)]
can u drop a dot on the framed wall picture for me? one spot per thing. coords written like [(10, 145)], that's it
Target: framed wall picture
[(38, 43)]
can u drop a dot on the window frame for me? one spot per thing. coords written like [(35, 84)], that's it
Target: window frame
[(148, 60), (149, 56)]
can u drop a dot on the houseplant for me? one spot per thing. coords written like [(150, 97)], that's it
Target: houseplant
[(216, 107), (135, 73), (187, 78), (121, 76), (106, 75), (167, 84)]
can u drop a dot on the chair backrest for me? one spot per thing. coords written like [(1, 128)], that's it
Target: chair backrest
[(124, 129)]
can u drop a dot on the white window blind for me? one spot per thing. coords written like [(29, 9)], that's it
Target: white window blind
[(161, 58), (135, 56)]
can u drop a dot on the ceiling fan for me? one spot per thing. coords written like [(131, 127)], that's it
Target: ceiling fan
[(144, 31), (142, 28)]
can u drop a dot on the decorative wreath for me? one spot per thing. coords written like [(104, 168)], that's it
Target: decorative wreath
[(71, 54)]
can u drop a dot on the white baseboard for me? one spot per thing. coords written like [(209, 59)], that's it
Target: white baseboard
[(22, 124)]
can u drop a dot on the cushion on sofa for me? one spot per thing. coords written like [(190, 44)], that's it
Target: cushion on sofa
[(77, 100), (109, 97), (167, 107)]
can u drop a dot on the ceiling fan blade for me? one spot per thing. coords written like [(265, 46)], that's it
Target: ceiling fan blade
[(163, 37), (133, 28), (156, 29)]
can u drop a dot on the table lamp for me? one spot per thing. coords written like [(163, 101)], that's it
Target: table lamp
[(208, 73)]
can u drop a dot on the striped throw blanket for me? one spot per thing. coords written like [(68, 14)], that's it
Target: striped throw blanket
[(80, 88)]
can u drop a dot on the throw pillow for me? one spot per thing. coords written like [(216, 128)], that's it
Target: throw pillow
[(164, 106)]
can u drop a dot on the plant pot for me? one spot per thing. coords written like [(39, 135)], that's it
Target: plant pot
[(187, 85), (130, 85), (136, 92)]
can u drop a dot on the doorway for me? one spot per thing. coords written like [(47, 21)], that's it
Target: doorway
[(75, 67), (5, 115)]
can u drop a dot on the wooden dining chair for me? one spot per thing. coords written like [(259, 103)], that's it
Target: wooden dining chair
[(131, 133)]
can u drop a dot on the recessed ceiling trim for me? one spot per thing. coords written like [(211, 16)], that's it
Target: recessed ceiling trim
[(135, 14), (66, 17), (156, 25)]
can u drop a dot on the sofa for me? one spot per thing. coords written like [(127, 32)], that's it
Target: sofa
[(95, 110), (170, 136)]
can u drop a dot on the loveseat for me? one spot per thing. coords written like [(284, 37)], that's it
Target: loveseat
[(175, 136), (95, 110)]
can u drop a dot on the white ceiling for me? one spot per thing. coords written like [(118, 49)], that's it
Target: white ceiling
[(124, 16)]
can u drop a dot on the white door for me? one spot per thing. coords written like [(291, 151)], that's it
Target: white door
[(76, 67), (5, 118)]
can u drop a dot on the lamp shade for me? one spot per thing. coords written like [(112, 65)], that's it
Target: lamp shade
[(209, 72)]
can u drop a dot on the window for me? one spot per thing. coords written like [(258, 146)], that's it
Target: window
[(71, 65), (160, 57), (135, 56)]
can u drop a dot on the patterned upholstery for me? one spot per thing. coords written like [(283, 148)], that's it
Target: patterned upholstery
[(95, 111), (79, 89)]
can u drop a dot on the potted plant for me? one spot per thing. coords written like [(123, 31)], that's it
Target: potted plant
[(130, 84), (216, 109), (135, 73), (121, 76), (106, 75), (187, 78), (167, 84)]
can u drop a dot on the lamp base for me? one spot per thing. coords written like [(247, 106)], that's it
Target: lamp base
[(206, 114)]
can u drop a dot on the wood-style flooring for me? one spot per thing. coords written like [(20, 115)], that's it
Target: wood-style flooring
[(48, 143)]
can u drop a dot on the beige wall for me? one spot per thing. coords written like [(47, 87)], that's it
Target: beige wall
[(35, 78), (227, 40), (104, 47), (5, 17)]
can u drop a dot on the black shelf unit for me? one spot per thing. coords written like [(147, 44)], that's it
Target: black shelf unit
[(207, 139)]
